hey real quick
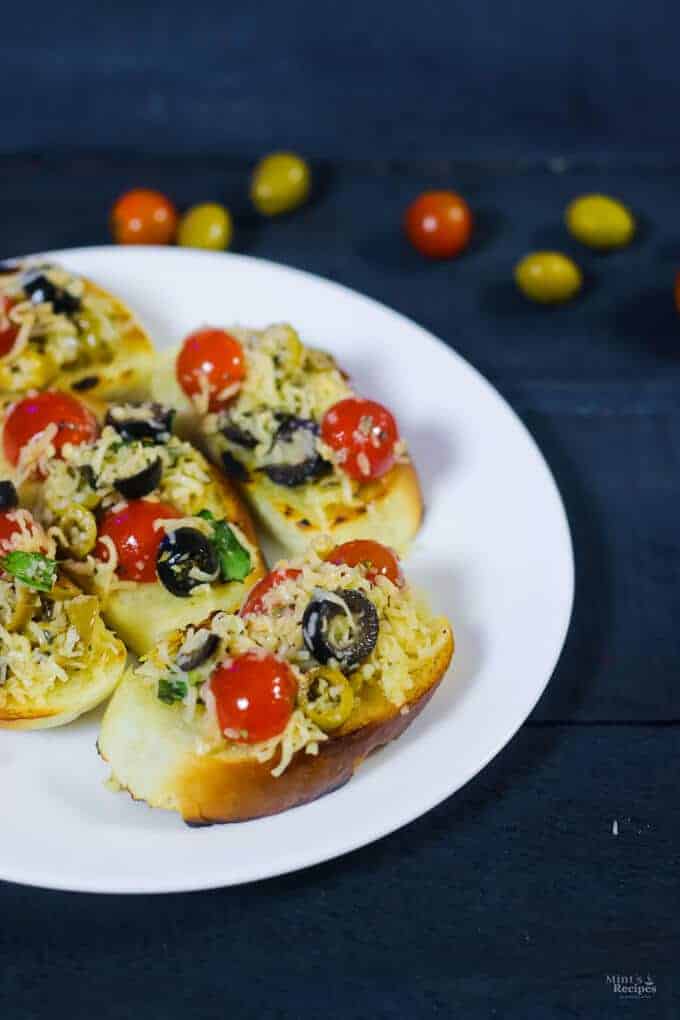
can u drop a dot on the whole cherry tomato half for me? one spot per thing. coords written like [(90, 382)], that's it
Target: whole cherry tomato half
[(214, 359), (364, 434), (8, 331), (254, 602), (379, 559), (143, 216), (439, 224), (75, 423), (136, 539), (254, 697)]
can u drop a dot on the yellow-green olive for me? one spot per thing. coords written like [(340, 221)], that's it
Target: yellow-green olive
[(285, 346), (600, 221), (206, 226), (280, 182), (548, 277), (82, 613), (79, 529), (327, 697)]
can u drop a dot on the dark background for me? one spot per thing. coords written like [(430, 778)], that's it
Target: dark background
[(514, 898)]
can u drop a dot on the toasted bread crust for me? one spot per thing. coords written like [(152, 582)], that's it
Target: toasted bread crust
[(209, 789)]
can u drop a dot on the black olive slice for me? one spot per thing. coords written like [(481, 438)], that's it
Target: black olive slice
[(40, 289), (239, 436), (182, 554), (9, 499), (198, 655), (88, 382), (141, 484), (233, 468), (293, 471), (354, 641), (141, 421)]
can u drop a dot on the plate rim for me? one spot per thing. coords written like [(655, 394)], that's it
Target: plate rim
[(53, 880)]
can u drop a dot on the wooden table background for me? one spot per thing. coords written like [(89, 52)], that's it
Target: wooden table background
[(514, 898)]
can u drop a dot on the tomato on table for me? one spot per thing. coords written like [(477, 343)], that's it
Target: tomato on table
[(439, 224), (8, 332), (214, 359), (255, 600), (136, 539), (380, 559), (143, 216), (677, 290), (254, 697), (364, 435), (75, 423)]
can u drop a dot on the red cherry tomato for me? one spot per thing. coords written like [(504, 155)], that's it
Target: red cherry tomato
[(10, 332), (75, 423), (8, 529), (143, 217), (136, 540), (364, 434), (363, 552), (212, 355), (677, 291), (254, 602), (254, 697), (439, 224)]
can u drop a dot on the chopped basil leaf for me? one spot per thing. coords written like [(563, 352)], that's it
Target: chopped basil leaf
[(34, 569), (234, 559), (172, 689)]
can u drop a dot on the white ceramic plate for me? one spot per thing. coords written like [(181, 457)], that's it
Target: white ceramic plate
[(494, 554)]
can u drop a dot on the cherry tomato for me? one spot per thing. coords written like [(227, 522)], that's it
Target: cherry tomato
[(439, 224), (8, 528), (136, 540), (253, 603), (363, 552), (75, 423), (364, 434), (254, 697), (143, 217), (214, 355), (9, 333), (677, 291)]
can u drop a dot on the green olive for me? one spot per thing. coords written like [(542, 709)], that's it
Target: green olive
[(327, 698), (600, 221), (548, 277), (280, 182), (206, 226), (79, 528), (285, 346)]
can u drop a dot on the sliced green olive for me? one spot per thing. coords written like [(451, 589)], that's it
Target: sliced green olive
[(79, 528), (285, 346), (19, 607), (327, 698)]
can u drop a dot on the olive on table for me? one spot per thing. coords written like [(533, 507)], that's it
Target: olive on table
[(327, 697), (341, 625), (600, 222), (439, 224), (206, 226), (79, 528), (142, 483), (143, 216), (141, 421), (9, 500), (185, 559), (280, 182), (548, 277)]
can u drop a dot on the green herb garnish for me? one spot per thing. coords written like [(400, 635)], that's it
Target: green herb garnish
[(33, 569), (234, 559), (172, 689)]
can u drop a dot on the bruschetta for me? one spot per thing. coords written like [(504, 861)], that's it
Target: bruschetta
[(331, 656), (141, 519), (309, 455), (57, 658), (62, 330)]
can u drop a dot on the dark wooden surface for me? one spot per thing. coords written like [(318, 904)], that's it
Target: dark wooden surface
[(514, 898)]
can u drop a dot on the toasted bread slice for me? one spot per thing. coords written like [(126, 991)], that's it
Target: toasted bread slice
[(171, 756), (59, 687), (389, 508), (94, 345)]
